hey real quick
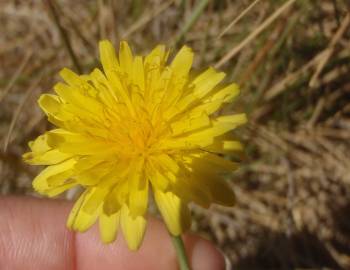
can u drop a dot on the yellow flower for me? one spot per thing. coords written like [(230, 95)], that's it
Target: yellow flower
[(138, 125)]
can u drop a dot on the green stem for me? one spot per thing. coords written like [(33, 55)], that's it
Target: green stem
[(181, 252), (198, 10), (64, 35)]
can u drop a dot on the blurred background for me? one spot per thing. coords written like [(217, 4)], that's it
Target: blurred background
[(292, 61)]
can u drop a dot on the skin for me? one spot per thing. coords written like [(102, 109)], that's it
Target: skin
[(33, 236)]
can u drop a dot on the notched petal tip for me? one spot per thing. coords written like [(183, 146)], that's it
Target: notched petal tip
[(182, 62), (105, 43), (108, 225), (27, 157), (175, 212), (79, 220), (50, 104), (108, 55), (133, 228), (69, 76)]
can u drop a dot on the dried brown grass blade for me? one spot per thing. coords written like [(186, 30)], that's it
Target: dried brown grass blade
[(255, 33), (64, 35), (279, 87), (16, 75), (238, 18), (327, 53), (145, 19), (18, 110)]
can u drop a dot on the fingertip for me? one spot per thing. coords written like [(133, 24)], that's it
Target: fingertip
[(156, 251), (204, 256), (34, 228)]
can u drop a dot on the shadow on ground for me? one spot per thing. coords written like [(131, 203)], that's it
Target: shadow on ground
[(278, 251)]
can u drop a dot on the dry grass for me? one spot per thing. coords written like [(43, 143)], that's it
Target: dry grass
[(294, 69)]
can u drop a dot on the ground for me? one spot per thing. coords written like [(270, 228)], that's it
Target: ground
[(292, 62)]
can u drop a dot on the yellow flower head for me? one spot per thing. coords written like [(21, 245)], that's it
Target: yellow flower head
[(139, 124)]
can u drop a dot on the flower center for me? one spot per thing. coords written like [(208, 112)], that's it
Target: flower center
[(139, 136)]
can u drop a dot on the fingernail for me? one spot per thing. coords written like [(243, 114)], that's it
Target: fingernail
[(206, 257)]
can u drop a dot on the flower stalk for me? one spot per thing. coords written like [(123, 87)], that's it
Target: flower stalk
[(180, 252)]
